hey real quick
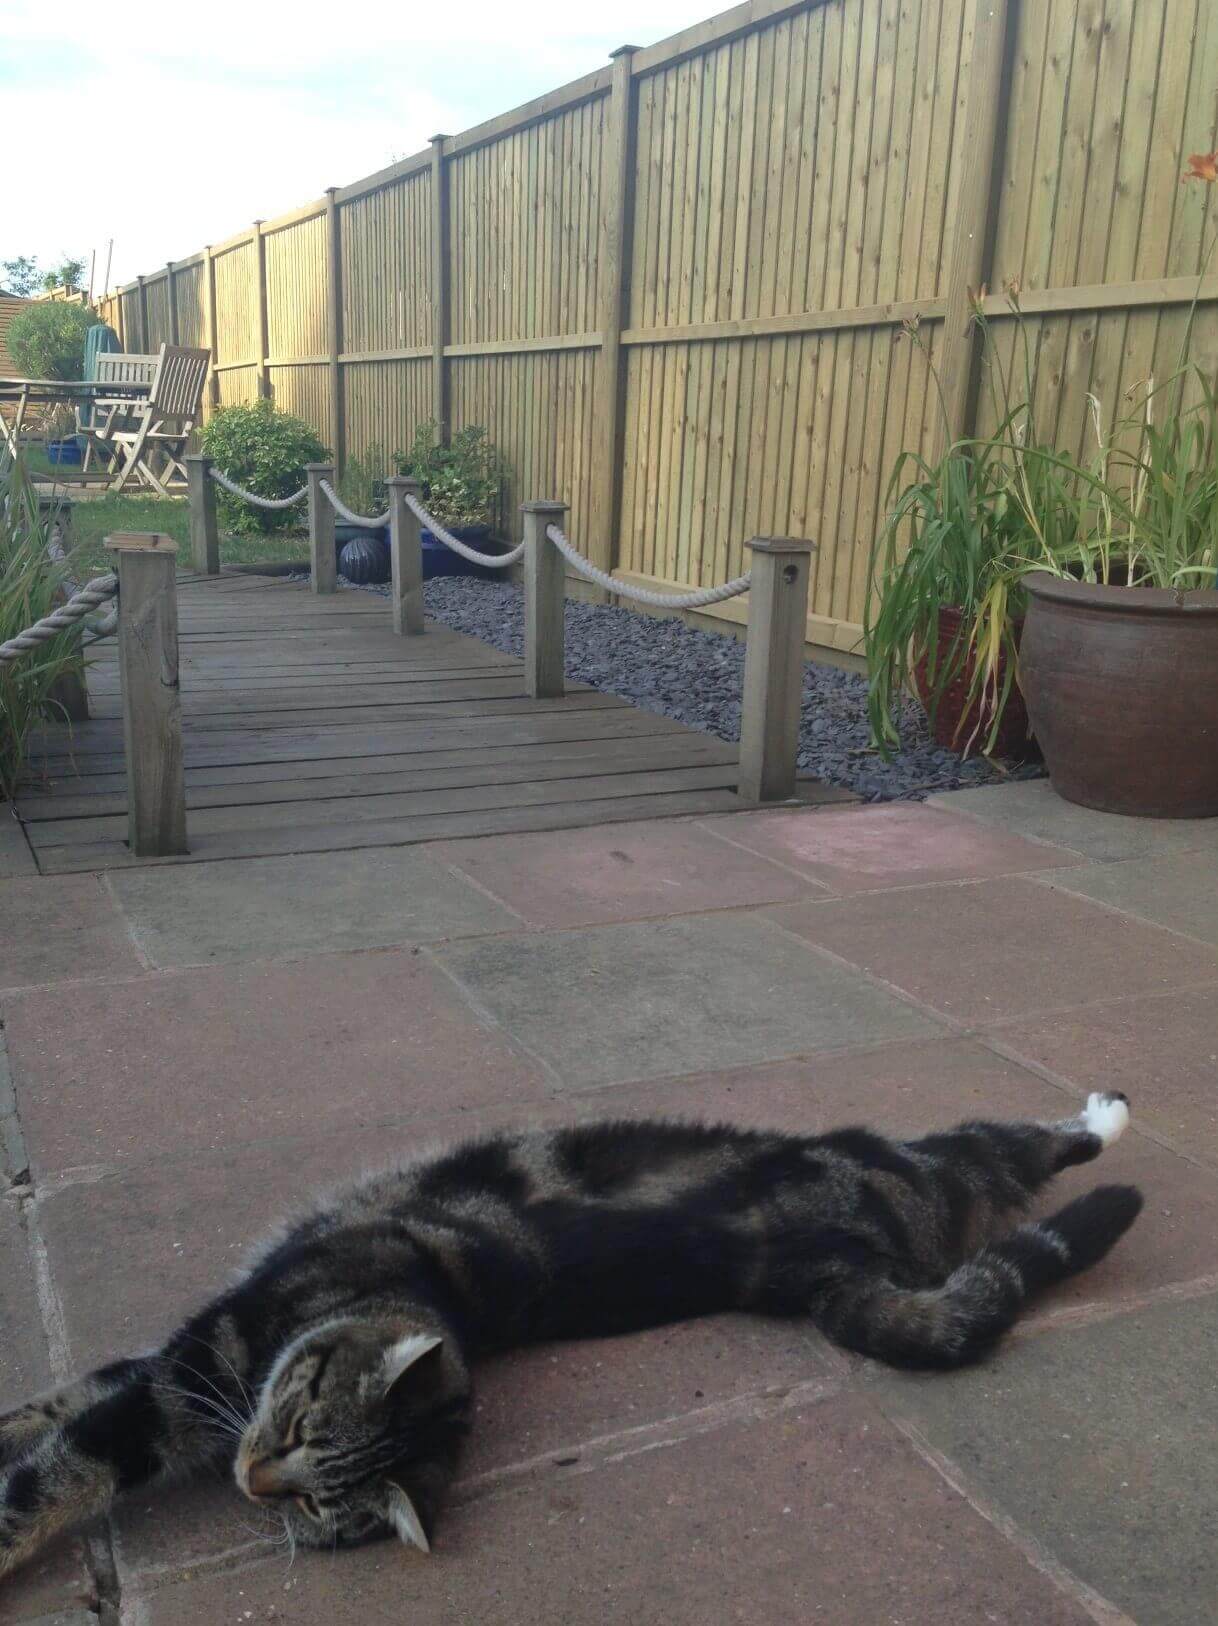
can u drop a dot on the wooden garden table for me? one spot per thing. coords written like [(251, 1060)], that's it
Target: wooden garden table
[(16, 394)]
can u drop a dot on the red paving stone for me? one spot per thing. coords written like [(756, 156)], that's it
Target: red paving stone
[(186, 1061), (822, 1513), (1161, 1052), (870, 848), (988, 951), (619, 872), (59, 928)]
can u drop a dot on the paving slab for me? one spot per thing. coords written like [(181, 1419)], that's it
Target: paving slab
[(865, 849), (1179, 892), (61, 928), (985, 951), (620, 872), (1162, 1052), (179, 1062), (1100, 1442), (821, 1513), (637, 1001), (57, 1587), (314, 903), (1033, 808)]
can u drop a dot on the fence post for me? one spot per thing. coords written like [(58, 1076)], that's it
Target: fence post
[(773, 667), (143, 314), (171, 294), (406, 557), (334, 328), (209, 317), (152, 705), (439, 287), (323, 562), (543, 602), (614, 253), (976, 215), (204, 531), (264, 373)]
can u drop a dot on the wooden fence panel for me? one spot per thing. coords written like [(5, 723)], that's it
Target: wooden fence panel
[(236, 308), (156, 296), (305, 391), (297, 289), (385, 401), (190, 297), (386, 267)]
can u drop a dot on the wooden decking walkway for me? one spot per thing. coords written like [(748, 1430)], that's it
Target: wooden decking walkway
[(310, 727)]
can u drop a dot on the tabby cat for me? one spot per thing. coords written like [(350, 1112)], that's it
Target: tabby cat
[(334, 1374)]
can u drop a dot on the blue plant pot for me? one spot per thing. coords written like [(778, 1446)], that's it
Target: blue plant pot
[(64, 452), (440, 560)]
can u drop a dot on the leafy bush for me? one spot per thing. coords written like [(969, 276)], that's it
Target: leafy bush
[(31, 584), (265, 451), (48, 339), (460, 482), (362, 486)]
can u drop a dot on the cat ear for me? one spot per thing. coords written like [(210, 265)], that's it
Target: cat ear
[(407, 1353), (402, 1516)]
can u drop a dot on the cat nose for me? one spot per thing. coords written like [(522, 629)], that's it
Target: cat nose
[(262, 1480)]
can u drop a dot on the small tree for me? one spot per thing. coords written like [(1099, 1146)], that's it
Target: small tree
[(48, 339), (67, 275), (22, 275)]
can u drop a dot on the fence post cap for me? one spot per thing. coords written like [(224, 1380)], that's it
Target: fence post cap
[(403, 482), (140, 542), (623, 50), (196, 457), (546, 505), (322, 469), (780, 544)]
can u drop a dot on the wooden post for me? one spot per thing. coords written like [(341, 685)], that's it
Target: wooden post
[(152, 707), (171, 294), (144, 341), (338, 416), (209, 316), (406, 557), (614, 251), (981, 160), (543, 602), (440, 290), (204, 530), (773, 667), (264, 372), (323, 562)]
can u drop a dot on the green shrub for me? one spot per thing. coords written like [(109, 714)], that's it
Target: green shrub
[(48, 339), (362, 486), (30, 587), (265, 451), (461, 481)]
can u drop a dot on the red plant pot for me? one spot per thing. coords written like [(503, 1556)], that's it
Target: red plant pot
[(956, 722)]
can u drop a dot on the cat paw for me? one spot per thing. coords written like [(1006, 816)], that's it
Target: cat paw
[(1106, 1115)]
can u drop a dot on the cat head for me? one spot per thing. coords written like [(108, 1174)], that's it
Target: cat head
[(350, 1428)]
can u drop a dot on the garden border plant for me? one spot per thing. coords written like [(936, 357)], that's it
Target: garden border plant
[(264, 450)]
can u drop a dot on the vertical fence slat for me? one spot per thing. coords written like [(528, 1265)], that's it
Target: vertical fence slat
[(334, 256), (441, 284)]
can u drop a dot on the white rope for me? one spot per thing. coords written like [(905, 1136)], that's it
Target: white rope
[(372, 522), (493, 561), (104, 625), (252, 496), (76, 609), (644, 595)]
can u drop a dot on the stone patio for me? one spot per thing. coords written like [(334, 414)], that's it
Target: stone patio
[(195, 1050)]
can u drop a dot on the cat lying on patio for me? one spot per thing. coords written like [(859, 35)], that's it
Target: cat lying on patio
[(335, 1374)]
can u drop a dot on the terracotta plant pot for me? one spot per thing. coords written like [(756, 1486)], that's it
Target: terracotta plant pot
[(955, 720), (1122, 688)]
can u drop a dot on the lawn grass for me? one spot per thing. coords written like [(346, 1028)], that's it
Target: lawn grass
[(95, 518)]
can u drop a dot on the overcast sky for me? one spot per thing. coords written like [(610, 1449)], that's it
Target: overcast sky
[(167, 126)]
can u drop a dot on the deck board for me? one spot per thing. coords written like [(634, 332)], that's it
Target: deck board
[(309, 726)]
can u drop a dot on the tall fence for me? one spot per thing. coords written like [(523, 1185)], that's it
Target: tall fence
[(674, 291)]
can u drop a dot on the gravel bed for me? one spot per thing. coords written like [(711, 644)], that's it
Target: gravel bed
[(695, 677)]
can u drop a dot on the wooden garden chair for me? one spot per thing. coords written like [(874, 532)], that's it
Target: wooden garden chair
[(98, 419), (150, 448)]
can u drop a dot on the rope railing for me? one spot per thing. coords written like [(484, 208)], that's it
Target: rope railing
[(493, 561), (81, 605), (105, 625), (372, 522), (644, 595), (222, 479)]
